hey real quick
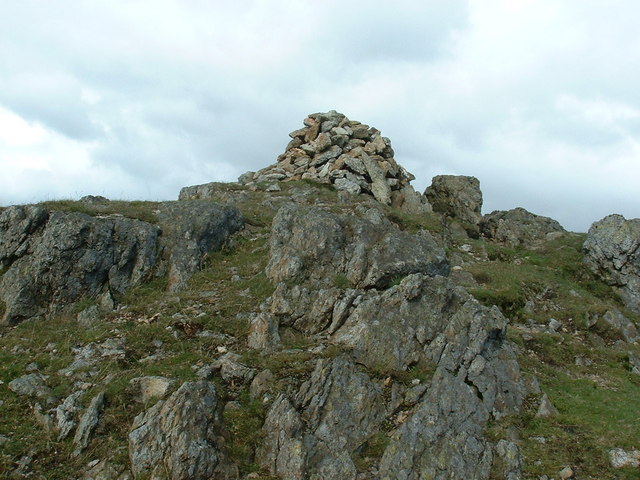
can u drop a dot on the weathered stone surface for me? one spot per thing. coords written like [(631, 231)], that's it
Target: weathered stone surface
[(443, 438), (314, 435), (190, 230), (65, 414), (427, 320), (181, 437), (53, 259), (151, 387), (32, 385), (507, 461), (518, 228), (310, 245), (621, 325), (613, 253), (74, 255), (231, 368), (333, 149), (457, 196), (546, 408), (105, 470), (620, 458), (88, 423)]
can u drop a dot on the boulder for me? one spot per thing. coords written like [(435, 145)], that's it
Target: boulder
[(190, 230), (320, 259), (70, 256), (181, 437), (315, 434), (612, 252), (519, 228), (309, 245), (52, 258), (88, 423), (456, 196)]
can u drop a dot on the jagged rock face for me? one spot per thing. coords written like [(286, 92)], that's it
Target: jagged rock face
[(424, 320), (52, 259), (311, 245), (69, 255), (181, 437), (519, 228), (457, 196), (348, 154), (315, 434), (613, 253), (190, 230), (316, 254)]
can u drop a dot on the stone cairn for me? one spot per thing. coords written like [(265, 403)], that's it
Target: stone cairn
[(348, 154)]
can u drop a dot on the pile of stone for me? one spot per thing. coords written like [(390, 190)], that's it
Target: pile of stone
[(348, 154)]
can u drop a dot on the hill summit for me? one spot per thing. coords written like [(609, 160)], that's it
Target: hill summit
[(318, 319)]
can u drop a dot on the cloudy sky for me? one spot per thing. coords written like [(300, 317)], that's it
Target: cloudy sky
[(134, 99)]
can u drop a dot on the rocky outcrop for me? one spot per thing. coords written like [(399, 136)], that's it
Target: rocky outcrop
[(315, 434), (310, 245), (190, 230), (456, 196), (181, 437), (53, 258), (613, 253), (519, 228), (350, 155), (380, 295), (320, 259)]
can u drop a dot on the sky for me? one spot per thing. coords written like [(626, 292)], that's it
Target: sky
[(135, 99)]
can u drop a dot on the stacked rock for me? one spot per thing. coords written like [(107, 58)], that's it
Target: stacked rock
[(352, 156)]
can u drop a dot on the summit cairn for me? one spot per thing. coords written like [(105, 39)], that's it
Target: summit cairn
[(350, 155)]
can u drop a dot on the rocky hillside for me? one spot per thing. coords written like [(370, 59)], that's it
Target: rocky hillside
[(318, 319)]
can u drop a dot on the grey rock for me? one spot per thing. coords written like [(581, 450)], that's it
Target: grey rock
[(619, 458), (32, 385), (263, 332), (621, 325), (443, 437), (191, 229), (507, 461), (53, 259), (181, 437), (613, 253), (151, 387), (546, 408), (456, 196), (88, 423), (333, 414), (72, 256), (231, 368), (65, 414), (519, 228), (310, 245), (105, 470), (379, 186), (347, 185), (89, 316), (93, 353), (261, 384), (634, 362)]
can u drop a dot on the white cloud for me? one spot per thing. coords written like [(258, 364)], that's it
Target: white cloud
[(537, 99)]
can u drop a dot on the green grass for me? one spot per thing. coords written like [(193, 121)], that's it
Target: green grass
[(598, 407), (412, 223), (511, 277), (132, 209)]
